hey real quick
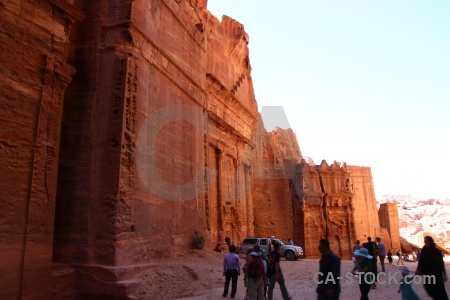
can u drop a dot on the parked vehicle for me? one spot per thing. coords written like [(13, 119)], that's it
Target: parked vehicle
[(290, 252)]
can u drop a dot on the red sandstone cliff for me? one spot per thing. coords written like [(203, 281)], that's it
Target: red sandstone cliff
[(156, 136)]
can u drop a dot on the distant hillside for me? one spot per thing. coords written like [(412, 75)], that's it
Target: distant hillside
[(418, 216)]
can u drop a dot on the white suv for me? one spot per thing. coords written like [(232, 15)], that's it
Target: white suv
[(290, 252)]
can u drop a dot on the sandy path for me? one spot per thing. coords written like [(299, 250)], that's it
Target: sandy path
[(299, 280)]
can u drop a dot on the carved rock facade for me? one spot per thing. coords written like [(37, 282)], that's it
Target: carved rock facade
[(155, 137), (338, 202)]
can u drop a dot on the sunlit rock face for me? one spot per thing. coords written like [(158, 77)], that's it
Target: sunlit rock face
[(337, 202), (130, 126)]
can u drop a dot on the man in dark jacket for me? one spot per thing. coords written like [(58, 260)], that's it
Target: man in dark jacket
[(329, 287), (373, 250)]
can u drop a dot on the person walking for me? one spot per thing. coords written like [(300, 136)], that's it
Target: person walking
[(400, 257), (389, 257), (231, 271), (278, 275), (329, 287), (364, 270), (382, 252), (431, 263), (255, 276), (266, 269), (372, 248), (405, 286), (356, 246)]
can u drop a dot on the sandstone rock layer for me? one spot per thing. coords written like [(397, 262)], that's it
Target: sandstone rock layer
[(129, 129)]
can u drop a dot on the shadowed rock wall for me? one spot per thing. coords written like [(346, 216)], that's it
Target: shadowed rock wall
[(34, 75), (156, 141), (271, 193)]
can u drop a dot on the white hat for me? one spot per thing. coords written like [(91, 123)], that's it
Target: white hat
[(363, 252)]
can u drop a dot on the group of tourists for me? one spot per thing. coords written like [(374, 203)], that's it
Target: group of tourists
[(430, 263), (262, 271)]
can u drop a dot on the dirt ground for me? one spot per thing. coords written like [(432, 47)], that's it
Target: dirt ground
[(198, 276)]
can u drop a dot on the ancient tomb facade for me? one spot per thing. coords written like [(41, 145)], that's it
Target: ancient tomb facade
[(127, 127), (338, 202)]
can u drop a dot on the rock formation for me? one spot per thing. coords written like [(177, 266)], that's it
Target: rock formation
[(34, 75), (419, 217), (129, 126)]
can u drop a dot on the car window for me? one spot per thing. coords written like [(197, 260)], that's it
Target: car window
[(249, 241), (263, 242)]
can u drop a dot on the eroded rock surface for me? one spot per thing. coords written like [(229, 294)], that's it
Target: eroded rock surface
[(130, 126)]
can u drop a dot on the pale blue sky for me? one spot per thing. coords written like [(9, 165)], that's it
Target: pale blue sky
[(363, 82)]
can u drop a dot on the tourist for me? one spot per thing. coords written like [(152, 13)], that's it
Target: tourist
[(290, 242), (382, 252), (400, 257), (278, 275), (329, 288), (405, 286), (231, 270), (431, 262), (255, 276), (217, 249), (364, 269), (357, 246), (389, 257), (266, 265), (372, 249), (414, 256)]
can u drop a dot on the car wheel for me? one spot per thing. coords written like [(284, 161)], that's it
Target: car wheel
[(289, 255)]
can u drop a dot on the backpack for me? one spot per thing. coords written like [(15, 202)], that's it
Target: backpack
[(256, 268), (270, 264)]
